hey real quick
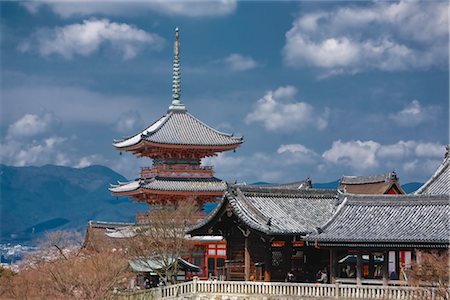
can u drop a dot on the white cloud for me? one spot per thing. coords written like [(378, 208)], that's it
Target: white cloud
[(103, 109), (366, 155), (296, 154), (277, 110), (382, 36), (86, 38), (32, 124), (31, 140), (356, 154), (35, 152), (128, 121), (415, 114), (238, 62), (89, 160), (68, 8)]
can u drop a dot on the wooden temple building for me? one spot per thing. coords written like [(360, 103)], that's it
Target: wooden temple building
[(362, 239), (176, 143), (378, 184)]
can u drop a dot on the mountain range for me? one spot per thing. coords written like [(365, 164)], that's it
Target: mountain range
[(38, 199)]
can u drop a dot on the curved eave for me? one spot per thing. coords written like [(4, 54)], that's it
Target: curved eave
[(137, 138), (144, 191), (203, 227), (377, 241), (142, 144), (379, 244)]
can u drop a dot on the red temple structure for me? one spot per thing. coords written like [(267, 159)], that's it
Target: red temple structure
[(176, 142)]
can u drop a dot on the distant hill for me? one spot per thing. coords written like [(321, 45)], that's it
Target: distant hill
[(326, 185), (411, 187), (36, 199)]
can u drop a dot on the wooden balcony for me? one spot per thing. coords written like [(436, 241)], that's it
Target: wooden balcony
[(200, 289)]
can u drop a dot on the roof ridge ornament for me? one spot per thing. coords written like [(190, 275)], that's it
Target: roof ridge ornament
[(177, 104)]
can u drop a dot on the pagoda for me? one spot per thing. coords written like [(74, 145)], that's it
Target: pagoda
[(177, 142)]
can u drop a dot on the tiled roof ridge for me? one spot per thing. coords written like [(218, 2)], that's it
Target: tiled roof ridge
[(166, 117), (348, 179), (249, 207), (102, 224), (396, 200), (279, 192), (212, 128), (335, 215), (140, 132), (210, 179), (441, 168), (392, 196)]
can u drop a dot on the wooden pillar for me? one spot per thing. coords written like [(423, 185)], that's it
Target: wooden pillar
[(267, 262), (287, 257), (246, 260), (397, 263), (359, 268), (333, 269), (371, 265), (385, 267)]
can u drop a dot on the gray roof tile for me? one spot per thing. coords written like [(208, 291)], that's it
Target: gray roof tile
[(388, 219), (439, 183), (180, 128), (278, 211), (171, 184)]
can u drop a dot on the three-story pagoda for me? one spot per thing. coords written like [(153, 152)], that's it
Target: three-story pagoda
[(176, 142)]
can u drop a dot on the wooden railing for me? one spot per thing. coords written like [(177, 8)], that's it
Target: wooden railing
[(292, 290)]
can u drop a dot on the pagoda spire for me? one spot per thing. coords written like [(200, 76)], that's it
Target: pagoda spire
[(177, 104)]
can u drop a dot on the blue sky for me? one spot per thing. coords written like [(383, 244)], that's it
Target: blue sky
[(318, 89)]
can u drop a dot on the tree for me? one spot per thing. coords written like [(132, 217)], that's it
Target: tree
[(161, 238), (432, 268), (58, 270)]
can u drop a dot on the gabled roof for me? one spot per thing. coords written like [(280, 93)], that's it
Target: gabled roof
[(274, 211), (439, 183), (365, 179), (178, 127), (376, 184), (383, 219), (171, 184)]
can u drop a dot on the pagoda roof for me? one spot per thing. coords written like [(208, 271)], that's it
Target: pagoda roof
[(374, 184), (178, 127), (439, 183), (273, 211), (170, 184), (387, 220)]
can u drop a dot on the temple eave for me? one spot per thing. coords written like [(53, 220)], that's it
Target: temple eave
[(140, 192), (146, 148)]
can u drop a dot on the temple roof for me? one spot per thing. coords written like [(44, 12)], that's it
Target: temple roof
[(439, 183), (296, 185), (387, 219), (178, 127), (171, 184), (375, 184), (274, 211)]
